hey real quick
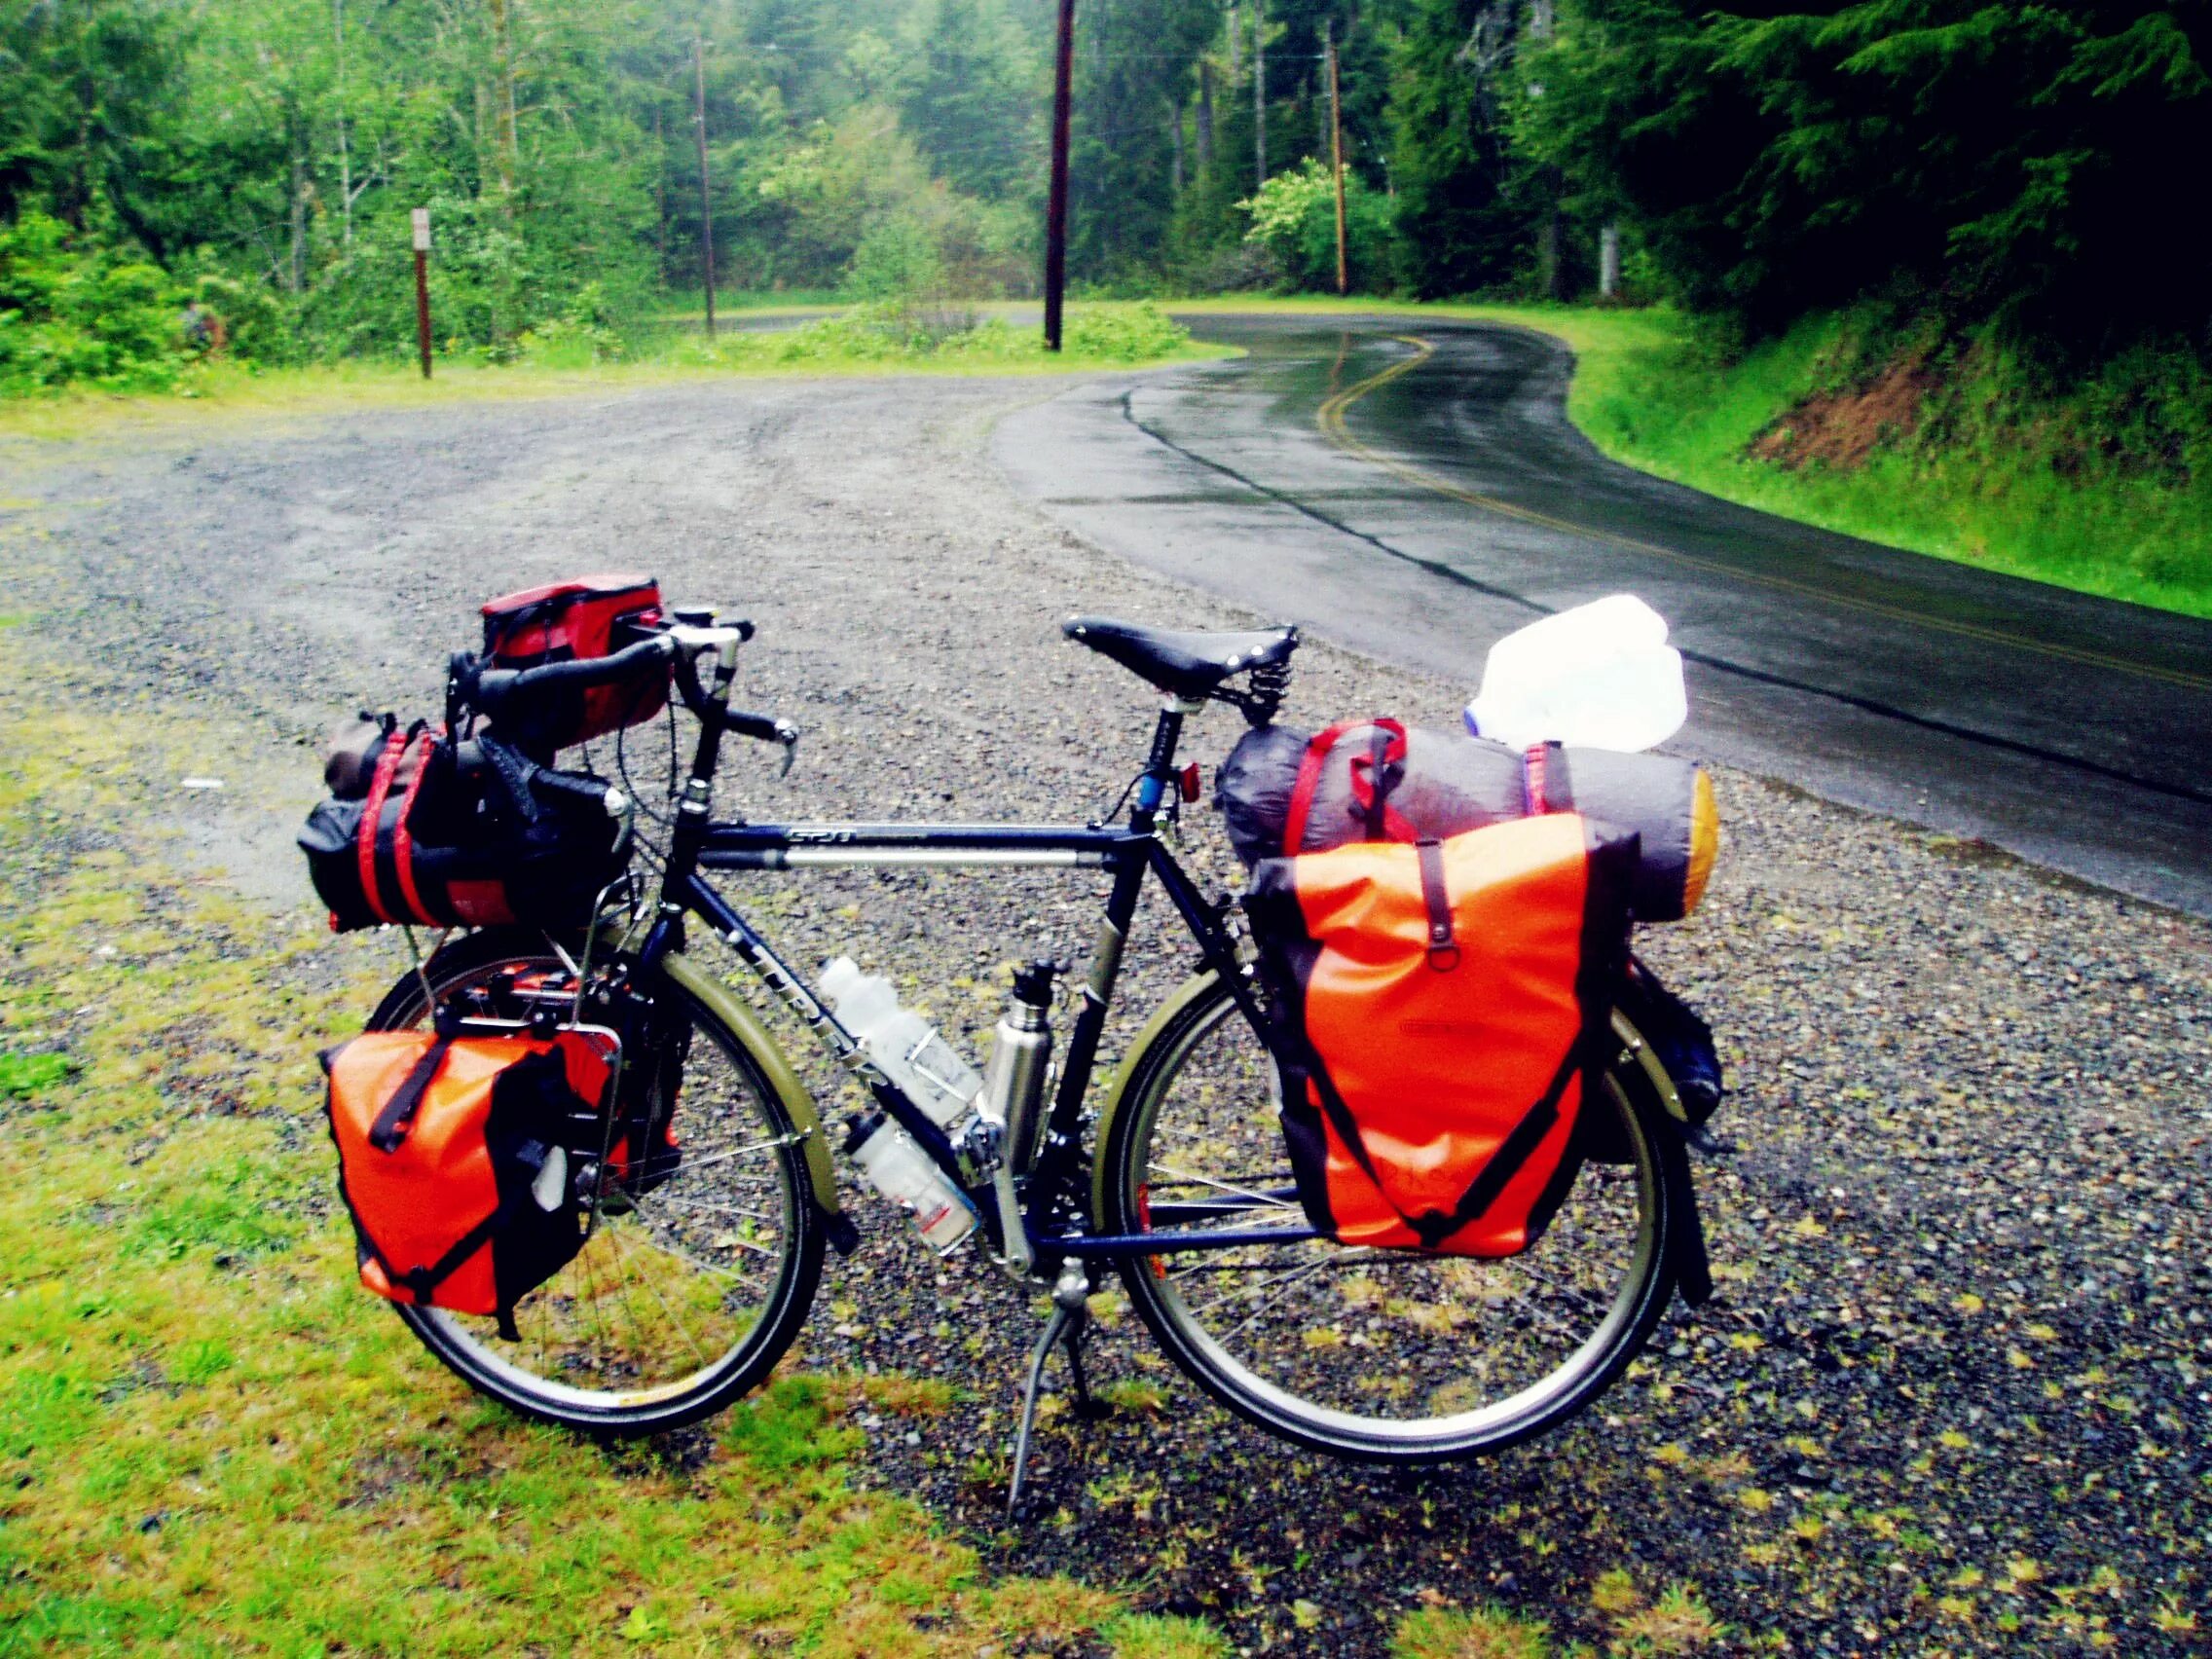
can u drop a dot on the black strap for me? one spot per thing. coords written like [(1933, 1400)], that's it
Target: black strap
[(1489, 1182), (391, 1127), (422, 1281), (1443, 953), (1514, 1151)]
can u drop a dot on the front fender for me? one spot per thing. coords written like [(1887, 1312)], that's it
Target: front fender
[(726, 1006), (1117, 1093)]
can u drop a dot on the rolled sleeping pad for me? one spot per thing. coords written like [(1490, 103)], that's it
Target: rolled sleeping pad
[(1452, 782)]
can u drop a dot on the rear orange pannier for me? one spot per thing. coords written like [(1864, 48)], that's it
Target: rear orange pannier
[(1445, 1000)]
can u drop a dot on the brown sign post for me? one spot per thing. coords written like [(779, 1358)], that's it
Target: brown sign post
[(421, 218)]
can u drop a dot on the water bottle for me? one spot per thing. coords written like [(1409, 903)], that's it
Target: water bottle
[(901, 1171), (904, 1047), (1022, 1052), (1013, 1099)]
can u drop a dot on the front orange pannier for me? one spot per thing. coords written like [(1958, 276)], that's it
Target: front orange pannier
[(452, 1159), (1445, 1001)]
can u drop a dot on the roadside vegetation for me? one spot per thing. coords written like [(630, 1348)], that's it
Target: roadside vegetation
[(1898, 248), (1965, 449)]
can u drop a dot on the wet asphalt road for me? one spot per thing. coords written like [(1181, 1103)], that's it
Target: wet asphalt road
[(1415, 494)]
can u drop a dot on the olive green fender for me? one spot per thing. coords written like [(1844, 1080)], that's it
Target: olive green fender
[(1117, 1093), (726, 1006)]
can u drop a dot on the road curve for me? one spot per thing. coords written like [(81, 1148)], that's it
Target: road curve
[(1415, 491)]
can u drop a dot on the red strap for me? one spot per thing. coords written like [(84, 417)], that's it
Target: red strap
[(1533, 799), (1310, 780), (372, 814), (402, 843), (1363, 769)]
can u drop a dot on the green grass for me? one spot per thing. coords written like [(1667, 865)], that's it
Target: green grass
[(1652, 391), (211, 1441), (1102, 336)]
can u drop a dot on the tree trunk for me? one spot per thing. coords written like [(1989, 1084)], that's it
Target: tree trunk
[(1609, 261), (1259, 97), (660, 192), (1551, 278), (344, 143), (1175, 138), (1205, 116), (296, 273), (503, 102)]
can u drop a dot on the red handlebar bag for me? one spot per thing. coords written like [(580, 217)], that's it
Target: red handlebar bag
[(591, 617), (453, 1159), (1444, 1003)]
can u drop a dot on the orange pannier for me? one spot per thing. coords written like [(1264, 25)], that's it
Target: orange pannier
[(1445, 1001), (453, 1158)]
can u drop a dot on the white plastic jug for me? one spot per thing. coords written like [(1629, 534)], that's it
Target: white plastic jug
[(1600, 675)]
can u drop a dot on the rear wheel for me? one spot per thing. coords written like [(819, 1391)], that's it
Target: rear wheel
[(1391, 1355), (693, 1282)]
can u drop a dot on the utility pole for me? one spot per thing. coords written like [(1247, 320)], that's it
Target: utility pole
[(1259, 96), (1336, 159), (422, 227), (1056, 202), (705, 191)]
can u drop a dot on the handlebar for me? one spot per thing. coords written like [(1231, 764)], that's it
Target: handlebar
[(491, 689)]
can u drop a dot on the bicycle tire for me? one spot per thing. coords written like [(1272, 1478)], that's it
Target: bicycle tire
[(462, 1345), (1125, 1168)]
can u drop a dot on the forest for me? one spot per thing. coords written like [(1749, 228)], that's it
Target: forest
[(185, 176)]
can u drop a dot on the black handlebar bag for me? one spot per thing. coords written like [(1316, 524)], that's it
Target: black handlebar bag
[(456, 835)]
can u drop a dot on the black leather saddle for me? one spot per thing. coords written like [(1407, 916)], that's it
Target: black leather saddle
[(1181, 664)]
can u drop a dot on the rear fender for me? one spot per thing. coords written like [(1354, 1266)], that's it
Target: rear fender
[(1118, 1091)]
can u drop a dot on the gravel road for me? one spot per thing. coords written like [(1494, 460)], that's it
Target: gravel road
[(1955, 1394)]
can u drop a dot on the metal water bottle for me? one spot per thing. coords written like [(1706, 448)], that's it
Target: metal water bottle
[(1021, 1052), (1011, 1104)]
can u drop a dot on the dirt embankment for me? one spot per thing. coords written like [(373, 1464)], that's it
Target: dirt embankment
[(1840, 429)]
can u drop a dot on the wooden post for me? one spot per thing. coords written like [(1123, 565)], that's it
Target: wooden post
[(1336, 159), (422, 222), (1056, 201), (705, 191)]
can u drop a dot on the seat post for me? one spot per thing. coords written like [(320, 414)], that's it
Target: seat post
[(1159, 765)]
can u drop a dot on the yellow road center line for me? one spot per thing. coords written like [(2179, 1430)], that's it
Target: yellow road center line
[(1331, 421)]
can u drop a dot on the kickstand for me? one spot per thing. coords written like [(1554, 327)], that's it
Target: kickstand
[(1070, 1318)]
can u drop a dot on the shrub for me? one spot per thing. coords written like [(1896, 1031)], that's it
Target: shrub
[(1294, 219), (72, 314)]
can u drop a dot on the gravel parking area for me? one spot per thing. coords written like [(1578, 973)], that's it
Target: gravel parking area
[(1955, 1393)]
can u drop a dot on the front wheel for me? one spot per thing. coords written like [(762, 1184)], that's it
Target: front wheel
[(696, 1278), (1386, 1355)]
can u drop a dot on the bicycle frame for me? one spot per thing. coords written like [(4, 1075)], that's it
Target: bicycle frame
[(1127, 852)]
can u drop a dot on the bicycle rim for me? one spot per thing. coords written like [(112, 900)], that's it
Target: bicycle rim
[(1389, 1355), (689, 1287)]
